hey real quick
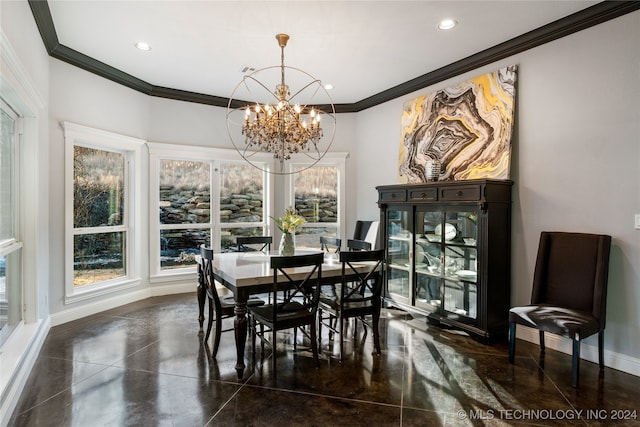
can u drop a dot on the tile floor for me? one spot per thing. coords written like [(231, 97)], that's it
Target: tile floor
[(143, 364)]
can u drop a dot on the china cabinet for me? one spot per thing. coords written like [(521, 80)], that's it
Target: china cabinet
[(448, 248)]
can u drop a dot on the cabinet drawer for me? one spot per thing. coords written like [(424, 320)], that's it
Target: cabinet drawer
[(467, 192), (423, 194), (393, 196)]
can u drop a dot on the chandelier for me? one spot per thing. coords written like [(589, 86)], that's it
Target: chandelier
[(279, 121)]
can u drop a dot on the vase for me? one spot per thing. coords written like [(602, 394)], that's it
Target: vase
[(287, 244)]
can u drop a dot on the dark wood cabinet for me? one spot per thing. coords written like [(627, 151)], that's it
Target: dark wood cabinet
[(448, 247)]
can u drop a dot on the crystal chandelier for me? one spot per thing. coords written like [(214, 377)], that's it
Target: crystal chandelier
[(278, 121)]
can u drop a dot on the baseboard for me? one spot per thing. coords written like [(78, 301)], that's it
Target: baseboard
[(28, 354), (88, 309), (103, 304), (621, 362)]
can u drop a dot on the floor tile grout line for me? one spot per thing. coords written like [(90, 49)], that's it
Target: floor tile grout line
[(326, 396), (104, 367), (564, 397), (244, 383)]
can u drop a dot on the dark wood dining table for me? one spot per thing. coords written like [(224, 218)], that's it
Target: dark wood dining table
[(248, 273)]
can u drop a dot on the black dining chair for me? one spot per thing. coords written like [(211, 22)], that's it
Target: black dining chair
[(222, 308), (254, 243), (358, 245), (358, 297), (297, 295), (569, 296), (330, 244)]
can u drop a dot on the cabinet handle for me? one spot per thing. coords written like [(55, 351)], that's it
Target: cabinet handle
[(423, 195), (459, 193), (393, 195)]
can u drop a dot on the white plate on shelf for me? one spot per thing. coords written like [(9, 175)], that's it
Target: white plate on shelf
[(467, 274), (449, 231)]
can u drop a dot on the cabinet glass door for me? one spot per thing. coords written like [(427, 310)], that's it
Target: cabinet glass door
[(398, 253), (460, 263), (428, 260)]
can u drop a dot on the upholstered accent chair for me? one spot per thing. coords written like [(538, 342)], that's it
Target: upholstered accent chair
[(569, 296)]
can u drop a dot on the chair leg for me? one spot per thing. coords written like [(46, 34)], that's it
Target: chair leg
[(601, 349), (319, 330), (376, 334), (542, 347), (273, 349), (512, 341), (295, 339), (209, 321), (314, 349), (216, 339), (253, 335), (575, 369), (341, 320)]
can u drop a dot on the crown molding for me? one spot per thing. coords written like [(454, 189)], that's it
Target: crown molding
[(578, 21)]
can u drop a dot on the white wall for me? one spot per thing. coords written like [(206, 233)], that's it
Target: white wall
[(575, 162), (87, 99)]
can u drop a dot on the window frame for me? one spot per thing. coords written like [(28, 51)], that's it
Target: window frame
[(337, 159), (14, 244), (132, 149), (215, 156)]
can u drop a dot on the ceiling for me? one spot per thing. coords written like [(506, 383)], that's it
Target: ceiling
[(363, 48)]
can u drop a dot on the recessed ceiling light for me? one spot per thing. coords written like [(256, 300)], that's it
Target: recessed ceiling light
[(447, 24), (143, 46), (328, 86)]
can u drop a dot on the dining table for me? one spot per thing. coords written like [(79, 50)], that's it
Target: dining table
[(249, 273)]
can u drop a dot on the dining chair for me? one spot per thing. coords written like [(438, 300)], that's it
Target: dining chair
[(254, 243), (569, 295), (360, 295), (330, 244), (222, 308), (358, 245), (296, 283), (367, 231)]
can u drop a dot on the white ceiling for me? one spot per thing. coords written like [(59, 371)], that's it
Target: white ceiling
[(360, 47)]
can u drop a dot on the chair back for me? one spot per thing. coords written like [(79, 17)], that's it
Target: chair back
[(330, 244), (206, 270), (367, 231), (358, 245), (572, 271), (254, 243), (304, 290), (367, 286)]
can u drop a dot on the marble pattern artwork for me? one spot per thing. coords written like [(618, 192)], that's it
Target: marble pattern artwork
[(467, 128)]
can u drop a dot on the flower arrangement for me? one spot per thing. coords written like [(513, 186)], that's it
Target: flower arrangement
[(289, 222)]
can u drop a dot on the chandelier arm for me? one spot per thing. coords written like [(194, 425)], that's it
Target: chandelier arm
[(305, 87), (250, 77)]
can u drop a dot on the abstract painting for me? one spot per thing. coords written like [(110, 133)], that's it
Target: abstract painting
[(466, 129)]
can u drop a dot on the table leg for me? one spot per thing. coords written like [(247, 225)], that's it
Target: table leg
[(200, 292), (240, 326)]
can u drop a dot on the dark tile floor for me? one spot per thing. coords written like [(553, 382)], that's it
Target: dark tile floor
[(143, 364)]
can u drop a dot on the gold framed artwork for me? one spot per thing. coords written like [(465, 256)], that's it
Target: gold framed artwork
[(461, 132)]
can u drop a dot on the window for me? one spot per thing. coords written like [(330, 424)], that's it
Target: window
[(202, 196), (318, 195), (102, 170), (10, 244)]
